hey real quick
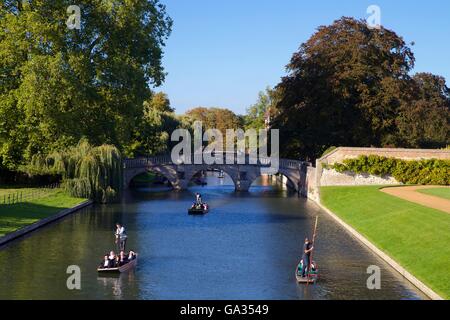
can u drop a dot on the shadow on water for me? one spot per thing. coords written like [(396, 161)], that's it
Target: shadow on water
[(247, 247)]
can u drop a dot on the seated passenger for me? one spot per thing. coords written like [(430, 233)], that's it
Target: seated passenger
[(112, 259), (117, 262), (106, 263), (131, 255), (112, 255), (123, 259)]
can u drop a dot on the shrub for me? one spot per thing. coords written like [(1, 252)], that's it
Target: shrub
[(87, 171), (425, 172)]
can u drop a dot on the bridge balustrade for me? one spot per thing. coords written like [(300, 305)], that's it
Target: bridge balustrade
[(166, 160)]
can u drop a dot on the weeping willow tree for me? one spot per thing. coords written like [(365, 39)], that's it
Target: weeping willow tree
[(87, 171)]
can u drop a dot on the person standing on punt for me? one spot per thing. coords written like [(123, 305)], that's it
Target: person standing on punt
[(198, 198), (307, 249), (121, 237)]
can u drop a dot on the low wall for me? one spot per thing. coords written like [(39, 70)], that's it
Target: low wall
[(331, 177), (325, 177), (340, 154), (308, 186)]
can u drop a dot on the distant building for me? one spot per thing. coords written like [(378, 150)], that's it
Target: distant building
[(267, 119)]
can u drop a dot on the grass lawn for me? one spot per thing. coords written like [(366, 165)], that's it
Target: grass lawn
[(437, 192), (17, 216), (417, 237), (6, 190)]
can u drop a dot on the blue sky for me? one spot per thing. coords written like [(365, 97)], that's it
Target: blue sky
[(222, 53)]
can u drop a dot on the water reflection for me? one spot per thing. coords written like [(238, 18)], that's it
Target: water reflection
[(246, 248), (114, 282)]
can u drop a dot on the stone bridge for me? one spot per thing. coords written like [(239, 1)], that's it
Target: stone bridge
[(243, 175)]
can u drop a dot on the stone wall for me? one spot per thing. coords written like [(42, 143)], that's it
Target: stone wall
[(325, 177), (340, 154), (331, 177), (308, 185)]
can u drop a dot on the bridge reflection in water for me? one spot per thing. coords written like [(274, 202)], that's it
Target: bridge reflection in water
[(247, 247), (243, 175)]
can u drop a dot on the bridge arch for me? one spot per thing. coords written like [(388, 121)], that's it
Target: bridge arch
[(168, 172), (293, 182), (233, 173), (180, 174)]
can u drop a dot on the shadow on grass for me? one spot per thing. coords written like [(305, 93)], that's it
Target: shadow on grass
[(17, 216)]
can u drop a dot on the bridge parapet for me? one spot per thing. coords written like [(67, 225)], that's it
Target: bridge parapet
[(243, 173), (166, 160)]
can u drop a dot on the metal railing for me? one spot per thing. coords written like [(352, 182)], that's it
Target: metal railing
[(27, 194), (227, 158)]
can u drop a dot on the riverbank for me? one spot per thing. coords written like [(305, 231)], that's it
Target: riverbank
[(415, 236), (17, 216)]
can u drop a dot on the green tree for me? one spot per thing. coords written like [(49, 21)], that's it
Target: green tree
[(258, 115), (345, 86), (215, 118), (160, 102), (424, 121), (152, 136), (87, 171), (58, 85)]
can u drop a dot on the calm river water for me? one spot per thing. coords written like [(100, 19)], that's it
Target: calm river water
[(247, 247)]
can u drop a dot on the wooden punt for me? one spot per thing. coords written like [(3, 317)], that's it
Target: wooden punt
[(126, 267), (195, 211), (311, 276)]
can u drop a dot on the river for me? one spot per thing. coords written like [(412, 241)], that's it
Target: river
[(247, 247)]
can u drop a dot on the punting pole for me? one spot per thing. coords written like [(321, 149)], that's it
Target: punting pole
[(312, 251)]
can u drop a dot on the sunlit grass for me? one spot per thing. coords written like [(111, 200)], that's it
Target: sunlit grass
[(17, 216), (437, 192), (415, 236)]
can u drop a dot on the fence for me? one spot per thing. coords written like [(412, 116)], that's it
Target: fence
[(27, 195)]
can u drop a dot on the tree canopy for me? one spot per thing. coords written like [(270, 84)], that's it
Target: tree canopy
[(215, 118), (259, 113), (152, 135), (350, 85), (59, 85)]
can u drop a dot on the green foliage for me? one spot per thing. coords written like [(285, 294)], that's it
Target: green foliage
[(349, 85), (215, 118), (424, 172), (58, 85), (258, 114), (87, 171), (152, 135)]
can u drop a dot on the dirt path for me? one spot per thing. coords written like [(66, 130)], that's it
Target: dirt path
[(411, 194)]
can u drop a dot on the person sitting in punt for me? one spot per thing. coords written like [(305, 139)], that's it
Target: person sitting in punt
[(131, 255), (122, 258), (113, 259), (112, 255), (106, 263)]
